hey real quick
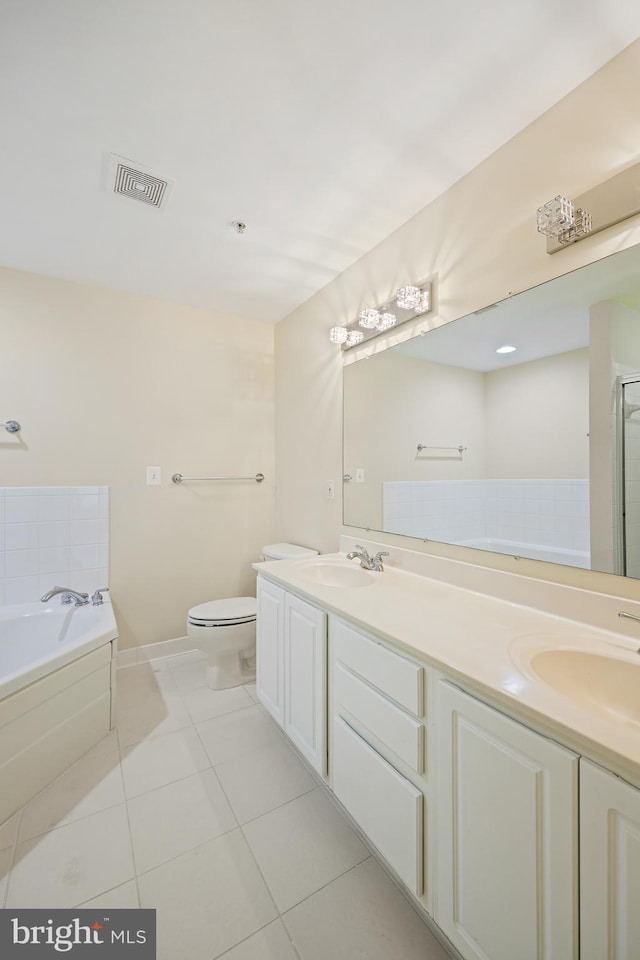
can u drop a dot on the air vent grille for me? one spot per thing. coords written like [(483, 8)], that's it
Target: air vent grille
[(133, 183)]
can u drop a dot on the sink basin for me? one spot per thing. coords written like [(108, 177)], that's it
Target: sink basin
[(607, 684), (336, 573)]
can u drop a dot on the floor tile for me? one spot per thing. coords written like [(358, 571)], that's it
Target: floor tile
[(208, 900), (124, 897), (251, 690), (361, 916), (240, 732), (189, 675), (302, 846), (160, 760), (91, 784), (270, 943), (135, 683), (155, 714), (263, 779), (9, 831), (73, 863), (178, 817), (6, 856), (203, 703), (107, 745)]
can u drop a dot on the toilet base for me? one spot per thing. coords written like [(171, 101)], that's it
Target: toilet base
[(231, 670)]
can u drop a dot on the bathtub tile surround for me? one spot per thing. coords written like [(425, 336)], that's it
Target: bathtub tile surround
[(547, 519), (227, 880), (52, 535)]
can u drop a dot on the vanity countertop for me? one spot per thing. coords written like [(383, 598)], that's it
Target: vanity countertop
[(485, 644)]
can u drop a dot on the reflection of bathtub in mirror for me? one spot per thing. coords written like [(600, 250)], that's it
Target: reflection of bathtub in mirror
[(544, 449)]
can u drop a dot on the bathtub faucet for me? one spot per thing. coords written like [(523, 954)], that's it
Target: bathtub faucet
[(68, 596)]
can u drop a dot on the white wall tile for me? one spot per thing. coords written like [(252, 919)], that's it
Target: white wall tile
[(52, 534)]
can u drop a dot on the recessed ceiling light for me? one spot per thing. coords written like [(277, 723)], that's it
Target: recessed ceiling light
[(506, 349)]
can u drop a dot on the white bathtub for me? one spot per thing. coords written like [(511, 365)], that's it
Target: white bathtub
[(56, 667), (531, 551)]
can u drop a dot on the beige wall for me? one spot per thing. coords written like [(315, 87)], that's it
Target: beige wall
[(480, 243), (538, 419), (105, 384), (392, 403)]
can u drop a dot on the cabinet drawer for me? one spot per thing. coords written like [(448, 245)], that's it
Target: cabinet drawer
[(382, 802), (400, 678), (391, 725)]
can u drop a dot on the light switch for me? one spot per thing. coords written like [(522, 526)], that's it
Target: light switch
[(154, 476), (331, 489), (360, 475)]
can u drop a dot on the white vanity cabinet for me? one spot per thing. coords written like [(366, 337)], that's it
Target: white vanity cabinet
[(609, 866), (291, 671), (378, 747), (507, 835)]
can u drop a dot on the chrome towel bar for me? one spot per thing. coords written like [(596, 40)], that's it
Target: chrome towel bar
[(178, 478), (425, 446)]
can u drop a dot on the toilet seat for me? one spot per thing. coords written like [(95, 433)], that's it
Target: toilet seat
[(224, 613)]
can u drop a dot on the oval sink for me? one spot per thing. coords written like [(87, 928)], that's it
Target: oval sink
[(334, 573), (597, 681)]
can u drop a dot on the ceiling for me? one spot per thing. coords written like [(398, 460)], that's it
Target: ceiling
[(549, 319), (323, 125)]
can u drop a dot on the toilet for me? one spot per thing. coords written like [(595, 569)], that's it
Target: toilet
[(225, 630)]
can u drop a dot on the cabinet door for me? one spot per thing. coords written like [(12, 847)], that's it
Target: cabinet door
[(609, 866), (507, 836), (305, 675), (270, 648)]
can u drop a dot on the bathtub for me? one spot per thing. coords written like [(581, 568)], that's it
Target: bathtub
[(532, 551), (56, 669)]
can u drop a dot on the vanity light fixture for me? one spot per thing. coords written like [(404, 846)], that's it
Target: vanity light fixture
[(564, 221), (507, 348), (413, 300)]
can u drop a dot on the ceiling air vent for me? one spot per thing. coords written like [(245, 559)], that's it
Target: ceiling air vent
[(139, 185)]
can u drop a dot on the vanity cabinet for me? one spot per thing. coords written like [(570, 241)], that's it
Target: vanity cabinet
[(610, 866), (378, 747), (507, 835), (291, 671)]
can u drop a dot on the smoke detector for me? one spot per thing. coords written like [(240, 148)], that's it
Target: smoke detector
[(127, 178)]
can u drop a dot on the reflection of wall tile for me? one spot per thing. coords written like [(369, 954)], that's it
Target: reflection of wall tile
[(38, 526), (548, 513)]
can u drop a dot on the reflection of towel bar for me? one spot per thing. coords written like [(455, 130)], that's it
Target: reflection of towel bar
[(178, 478), (426, 446)]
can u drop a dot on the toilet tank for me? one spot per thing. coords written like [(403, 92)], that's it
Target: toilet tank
[(285, 551)]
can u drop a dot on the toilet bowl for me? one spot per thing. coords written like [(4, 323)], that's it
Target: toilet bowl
[(225, 630)]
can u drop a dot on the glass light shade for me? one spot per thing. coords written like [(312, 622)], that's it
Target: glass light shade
[(582, 225), (507, 348), (424, 302), (408, 298), (369, 318), (354, 336), (338, 334), (555, 217), (387, 320)]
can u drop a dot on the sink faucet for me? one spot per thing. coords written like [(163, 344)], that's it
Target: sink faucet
[(68, 596), (369, 563)]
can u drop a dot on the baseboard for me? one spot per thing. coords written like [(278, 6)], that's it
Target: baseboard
[(153, 651)]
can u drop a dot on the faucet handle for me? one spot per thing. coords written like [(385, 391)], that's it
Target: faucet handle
[(97, 598), (363, 550), (383, 553)]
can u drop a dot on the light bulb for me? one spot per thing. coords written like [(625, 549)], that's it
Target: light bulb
[(507, 348), (408, 298)]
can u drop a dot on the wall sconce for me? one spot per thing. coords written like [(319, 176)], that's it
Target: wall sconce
[(372, 321), (564, 222)]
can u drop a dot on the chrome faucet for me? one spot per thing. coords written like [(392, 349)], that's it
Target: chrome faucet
[(68, 596), (369, 563)]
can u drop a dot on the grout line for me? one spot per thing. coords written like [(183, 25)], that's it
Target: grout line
[(325, 885)]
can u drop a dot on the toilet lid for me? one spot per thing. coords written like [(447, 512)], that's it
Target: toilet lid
[(236, 609)]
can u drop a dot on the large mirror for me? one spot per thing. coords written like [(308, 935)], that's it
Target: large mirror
[(533, 452)]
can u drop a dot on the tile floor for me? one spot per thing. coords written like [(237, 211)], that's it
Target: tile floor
[(198, 806)]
